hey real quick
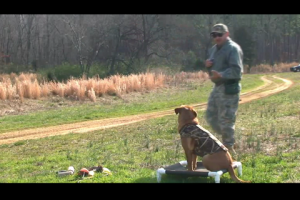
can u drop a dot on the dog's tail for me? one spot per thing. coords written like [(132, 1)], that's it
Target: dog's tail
[(234, 177)]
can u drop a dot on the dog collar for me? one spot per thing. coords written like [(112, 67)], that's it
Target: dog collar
[(189, 124)]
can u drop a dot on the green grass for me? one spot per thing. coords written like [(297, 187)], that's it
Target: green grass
[(267, 131), (162, 99), (251, 81)]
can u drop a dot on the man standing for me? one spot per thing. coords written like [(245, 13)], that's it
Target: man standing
[(225, 66)]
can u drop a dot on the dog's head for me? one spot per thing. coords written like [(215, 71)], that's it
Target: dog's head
[(187, 114)]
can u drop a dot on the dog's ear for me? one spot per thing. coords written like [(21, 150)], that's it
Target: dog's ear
[(195, 113), (177, 110)]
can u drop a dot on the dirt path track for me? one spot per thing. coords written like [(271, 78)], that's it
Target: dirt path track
[(83, 127)]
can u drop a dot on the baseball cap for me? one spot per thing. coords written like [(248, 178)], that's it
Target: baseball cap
[(219, 28)]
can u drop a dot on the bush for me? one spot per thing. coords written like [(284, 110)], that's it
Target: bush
[(51, 76), (98, 69), (13, 68), (199, 65), (192, 63), (66, 71)]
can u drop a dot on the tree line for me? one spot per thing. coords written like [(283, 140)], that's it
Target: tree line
[(130, 43)]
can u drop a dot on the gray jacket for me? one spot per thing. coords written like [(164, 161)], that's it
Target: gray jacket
[(228, 60)]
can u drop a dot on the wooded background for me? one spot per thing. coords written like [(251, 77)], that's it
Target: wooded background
[(130, 43)]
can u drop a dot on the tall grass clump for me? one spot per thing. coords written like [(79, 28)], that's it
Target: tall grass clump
[(2, 91), (30, 86), (276, 68)]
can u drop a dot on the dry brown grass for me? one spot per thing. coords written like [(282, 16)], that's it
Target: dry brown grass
[(10, 92), (92, 95), (36, 90), (2, 91), (28, 85), (277, 68), (45, 91), (13, 86)]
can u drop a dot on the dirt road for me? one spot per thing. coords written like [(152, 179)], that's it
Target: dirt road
[(82, 127)]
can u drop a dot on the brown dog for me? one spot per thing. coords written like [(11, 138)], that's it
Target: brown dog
[(197, 141)]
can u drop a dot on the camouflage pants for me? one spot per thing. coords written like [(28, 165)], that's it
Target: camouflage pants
[(221, 113)]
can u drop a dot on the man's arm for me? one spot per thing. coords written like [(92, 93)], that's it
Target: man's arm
[(209, 61)]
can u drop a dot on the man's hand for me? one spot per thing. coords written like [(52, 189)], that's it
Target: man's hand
[(208, 63), (215, 75)]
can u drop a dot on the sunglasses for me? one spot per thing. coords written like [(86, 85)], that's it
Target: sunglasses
[(214, 35)]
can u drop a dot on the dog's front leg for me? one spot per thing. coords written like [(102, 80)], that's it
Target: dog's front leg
[(194, 158), (188, 149), (189, 158)]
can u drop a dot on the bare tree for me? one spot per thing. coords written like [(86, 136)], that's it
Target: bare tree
[(78, 33)]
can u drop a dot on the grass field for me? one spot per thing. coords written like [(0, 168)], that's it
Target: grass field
[(267, 131), (113, 106)]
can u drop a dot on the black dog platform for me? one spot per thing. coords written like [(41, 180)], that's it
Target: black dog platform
[(180, 169)]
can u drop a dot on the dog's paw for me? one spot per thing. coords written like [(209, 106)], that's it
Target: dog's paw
[(190, 170)]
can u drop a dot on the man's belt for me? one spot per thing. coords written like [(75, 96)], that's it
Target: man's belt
[(232, 81), (219, 83)]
